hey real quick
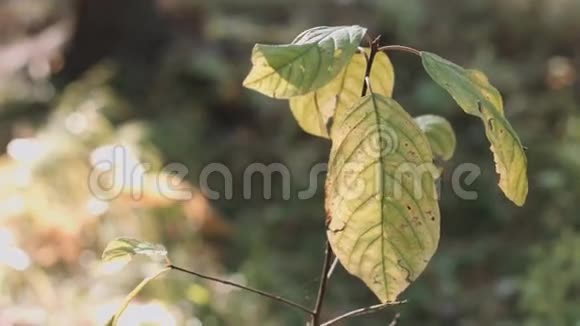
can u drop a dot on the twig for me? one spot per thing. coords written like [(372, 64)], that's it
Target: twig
[(374, 45), (364, 53), (315, 321), (243, 287), (400, 48), (369, 39), (395, 319), (363, 311), (133, 293), (368, 82), (332, 268)]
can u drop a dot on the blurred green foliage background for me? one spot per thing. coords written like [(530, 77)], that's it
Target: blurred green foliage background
[(163, 78)]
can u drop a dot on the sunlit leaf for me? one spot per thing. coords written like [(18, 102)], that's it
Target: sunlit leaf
[(476, 96), (113, 321), (120, 251), (314, 110), (381, 203), (308, 63), (439, 133)]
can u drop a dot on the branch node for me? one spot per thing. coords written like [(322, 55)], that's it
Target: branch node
[(368, 82), (374, 44)]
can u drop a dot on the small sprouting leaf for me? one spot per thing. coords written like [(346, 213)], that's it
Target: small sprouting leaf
[(120, 251), (381, 203), (440, 135), (314, 110), (476, 96), (113, 321), (306, 64)]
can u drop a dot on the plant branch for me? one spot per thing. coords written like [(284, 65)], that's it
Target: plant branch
[(369, 39), (364, 53), (368, 83), (315, 321), (243, 287), (332, 268), (363, 311), (395, 319), (374, 45), (400, 48)]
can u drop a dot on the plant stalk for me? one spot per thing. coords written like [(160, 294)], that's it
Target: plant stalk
[(243, 287), (315, 320)]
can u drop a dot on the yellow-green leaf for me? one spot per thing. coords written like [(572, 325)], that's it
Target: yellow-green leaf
[(314, 110), (439, 133), (115, 319), (476, 96), (120, 251), (381, 203), (308, 63)]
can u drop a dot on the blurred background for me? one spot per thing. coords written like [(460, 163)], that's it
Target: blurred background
[(162, 78)]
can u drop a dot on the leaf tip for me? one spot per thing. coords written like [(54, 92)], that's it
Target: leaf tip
[(520, 200)]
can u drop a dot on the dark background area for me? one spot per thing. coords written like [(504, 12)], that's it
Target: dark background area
[(163, 78)]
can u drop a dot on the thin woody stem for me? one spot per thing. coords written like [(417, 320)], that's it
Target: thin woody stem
[(401, 48), (243, 287), (362, 311), (332, 268), (395, 319), (374, 49), (315, 321), (369, 39)]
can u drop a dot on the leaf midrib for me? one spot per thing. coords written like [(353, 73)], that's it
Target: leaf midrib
[(382, 185)]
